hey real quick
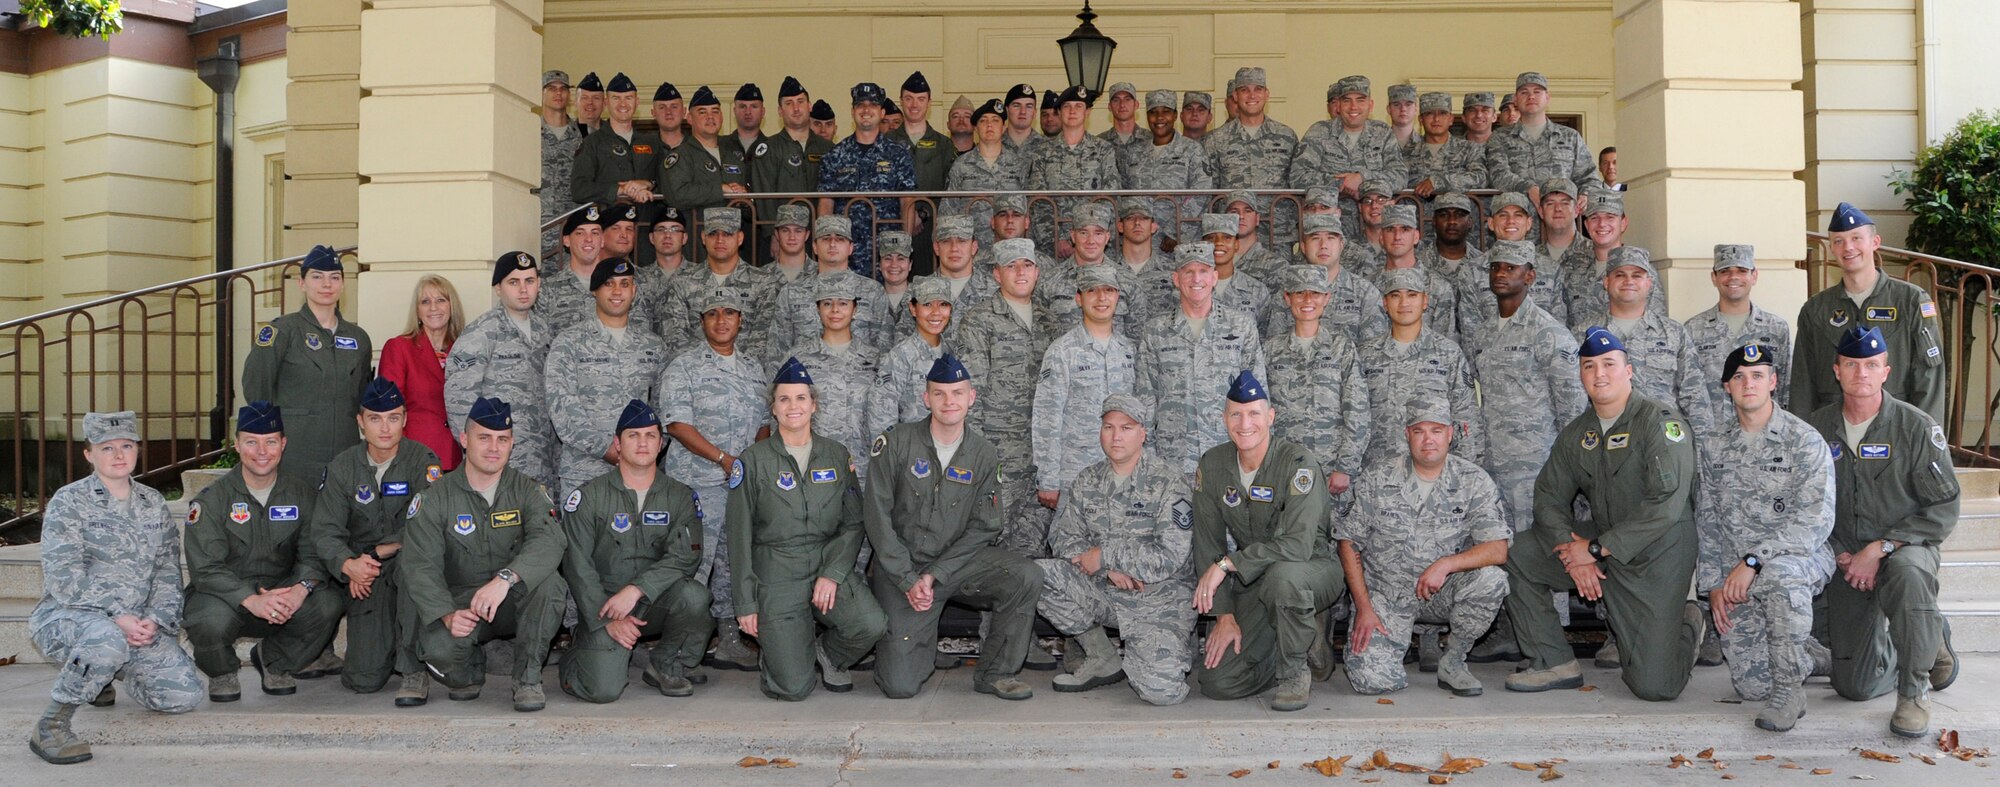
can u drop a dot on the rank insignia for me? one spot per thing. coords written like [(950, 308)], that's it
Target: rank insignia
[(824, 475), (464, 526), (1589, 441), (312, 341), (1262, 494), (1231, 498), (959, 474), (621, 522), (921, 468), (239, 512), (1183, 514), (787, 481), (364, 494)]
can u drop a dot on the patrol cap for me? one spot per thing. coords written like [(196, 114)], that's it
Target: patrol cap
[(1159, 99), (1122, 87), (894, 243), (868, 93), (1531, 78), (1219, 224), (749, 92), (1100, 275), (1321, 195), (1241, 195), (381, 396), (320, 258), (1403, 92), (1747, 355), (791, 87), (1249, 76), (1303, 278), (555, 76), (916, 83), (1401, 214), (1558, 186), (589, 83), (1859, 342), (795, 214), (732, 298), (100, 428), (665, 216), (624, 213), (1480, 99), (957, 227), (714, 220), (1194, 97), (637, 415), (838, 286), (1020, 91), (1010, 203), (792, 372), (1847, 217), (1355, 83), (261, 417), (490, 412), (1091, 214), (930, 289), (1132, 406), (995, 108), (608, 269), (946, 370), (703, 97), (1007, 251), (889, 107), (821, 111), (1077, 93), (1604, 201), (833, 226), (1512, 199), (1629, 256), (1735, 255), (1412, 279), (1506, 100), (1377, 187), (1246, 388), (1190, 252), (1597, 341), (1427, 408), (1518, 253), (1434, 102), (1134, 206), (621, 84), (666, 92), (1452, 200), (592, 214), (1049, 99), (1315, 223)]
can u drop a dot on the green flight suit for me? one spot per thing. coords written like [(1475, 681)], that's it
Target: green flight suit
[(1908, 320), (605, 159), (783, 166), (692, 179), (236, 546), (788, 527), (1639, 478), (315, 377), (454, 543), (1897, 484), (356, 512), (1286, 569), (614, 541), (927, 517), (933, 155)]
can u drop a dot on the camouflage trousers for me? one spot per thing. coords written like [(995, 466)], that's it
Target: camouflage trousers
[(1156, 624), (92, 651), (1774, 624), (574, 469), (1468, 602), (714, 568), (1514, 474), (534, 457), (1024, 530)]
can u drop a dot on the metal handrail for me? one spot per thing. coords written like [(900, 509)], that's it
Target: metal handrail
[(158, 288)]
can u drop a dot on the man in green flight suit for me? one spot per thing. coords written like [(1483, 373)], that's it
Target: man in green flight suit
[(1266, 495), (634, 541), (616, 162), (708, 168), (312, 364), (480, 552), (1868, 298), (1633, 459)]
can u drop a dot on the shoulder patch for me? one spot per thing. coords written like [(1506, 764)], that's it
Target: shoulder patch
[(434, 472), (1182, 513), (1302, 480), (1937, 438), (415, 503), (1674, 431), (735, 473), (194, 512), (880, 442), (1927, 308), (575, 499), (266, 335)]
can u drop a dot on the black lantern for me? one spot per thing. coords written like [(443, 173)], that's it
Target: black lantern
[(1086, 53)]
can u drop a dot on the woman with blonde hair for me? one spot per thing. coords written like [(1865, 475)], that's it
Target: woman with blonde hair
[(414, 361)]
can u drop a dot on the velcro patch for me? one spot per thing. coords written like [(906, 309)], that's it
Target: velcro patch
[(507, 518), (575, 499), (1182, 513), (1873, 450)]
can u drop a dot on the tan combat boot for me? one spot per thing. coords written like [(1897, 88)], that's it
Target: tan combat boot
[(1912, 718), (1945, 671), (1293, 693), (1567, 675), (1101, 665), (415, 691), (53, 741)]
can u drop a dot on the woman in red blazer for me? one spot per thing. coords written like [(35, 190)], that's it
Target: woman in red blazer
[(414, 361)]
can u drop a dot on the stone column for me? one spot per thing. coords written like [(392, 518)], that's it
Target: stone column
[(1712, 140), (322, 99), (448, 148)]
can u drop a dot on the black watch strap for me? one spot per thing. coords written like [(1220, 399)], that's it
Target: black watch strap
[(1755, 563)]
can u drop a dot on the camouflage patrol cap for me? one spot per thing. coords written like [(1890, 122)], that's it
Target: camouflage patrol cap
[(1314, 223), (1010, 203), (1403, 92), (1401, 214), (101, 428), (1512, 199), (1102, 274), (1011, 250), (1412, 279), (1244, 196), (1219, 224), (1132, 406), (1427, 408), (1629, 256), (1355, 83), (555, 76), (1735, 255), (1194, 97), (1323, 196), (1506, 100), (1122, 87), (1377, 187), (1303, 278), (930, 289), (715, 220), (1159, 99), (723, 298), (1091, 214), (837, 226), (838, 286), (894, 243), (1248, 76), (1194, 251), (1451, 200), (958, 227), (793, 215), (1604, 201), (1518, 253), (1527, 78), (1558, 186), (1134, 206), (1480, 99), (1434, 102)]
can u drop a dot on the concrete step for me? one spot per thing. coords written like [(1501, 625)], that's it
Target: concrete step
[(14, 639), (1974, 569), (1978, 526)]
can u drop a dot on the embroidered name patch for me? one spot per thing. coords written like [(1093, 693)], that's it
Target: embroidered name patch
[(396, 488), (959, 474), (656, 518), (1873, 450), (345, 343), (824, 475), (1262, 494), (507, 518)]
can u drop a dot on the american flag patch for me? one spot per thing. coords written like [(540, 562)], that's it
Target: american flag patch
[(1929, 309)]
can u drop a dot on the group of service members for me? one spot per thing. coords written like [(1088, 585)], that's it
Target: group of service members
[(805, 464)]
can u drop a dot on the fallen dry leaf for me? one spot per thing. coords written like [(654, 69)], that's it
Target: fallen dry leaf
[(1878, 756), (9, 661), (1792, 766), (1822, 771), (1550, 774), (1404, 767), (1180, 774), (1948, 741), (1718, 764), (1379, 759), (1522, 766), (1587, 688), (1551, 762), (1706, 754), (1437, 779), (752, 762), (1239, 773), (1273, 766), (1678, 761), (1376, 780), (1924, 758), (1385, 701), (1460, 764), (1765, 757), (783, 763), (1328, 766), (1862, 778), (1729, 777)]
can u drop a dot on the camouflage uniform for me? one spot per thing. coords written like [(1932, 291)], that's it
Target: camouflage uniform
[(236, 545), (1089, 165), (972, 172), (1528, 390), (559, 146), (899, 383), (1238, 159), (566, 301), (1180, 164), (102, 558), (1664, 365), (1353, 309), (355, 512), (1077, 372), (1456, 165), (492, 357), (843, 378), (1244, 293), (1441, 300), (1396, 372), (1478, 310), (1005, 357), (883, 166), (614, 540), (1259, 260), (1515, 163), (597, 373), (1143, 525), (1583, 286), (1056, 291), (1400, 532), (1186, 377), (1776, 503), (723, 397), (796, 323), (1325, 152), (1321, 398), (1713, 344), (757, 286)]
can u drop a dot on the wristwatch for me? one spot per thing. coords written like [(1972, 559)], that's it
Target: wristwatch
[(1596, 549), (1888, 547), (1756, 566), (309, 584), (1227, 565), (509, 575)]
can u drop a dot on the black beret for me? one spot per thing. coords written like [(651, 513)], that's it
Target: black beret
[(821, 110), (1048, 99), (607, 269), (510, 262), (1020, 91), (589, 214)]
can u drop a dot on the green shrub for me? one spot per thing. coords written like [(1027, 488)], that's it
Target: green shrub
[(1954, 193), (76, 18)]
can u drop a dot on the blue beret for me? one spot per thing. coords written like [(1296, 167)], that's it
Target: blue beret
[(321, 258), (1246, 388), (381, 396), (868, 92), (608, 268), (1747, 355), (916, 83), (590, 83), (821, 111), (1859, 342), (259, 417), (1847, 217), (791, 87), (703, 97), (666, 92), (637, 415), (510, 262), (1598, 341), (749, 92), (792, 373), (621, 84), (491, 413), (947, 369)]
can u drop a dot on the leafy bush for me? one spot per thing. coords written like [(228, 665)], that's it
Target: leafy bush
[(1954, 193), (76, 18)]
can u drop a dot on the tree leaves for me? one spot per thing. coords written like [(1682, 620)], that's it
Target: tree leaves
[(76, 18)]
